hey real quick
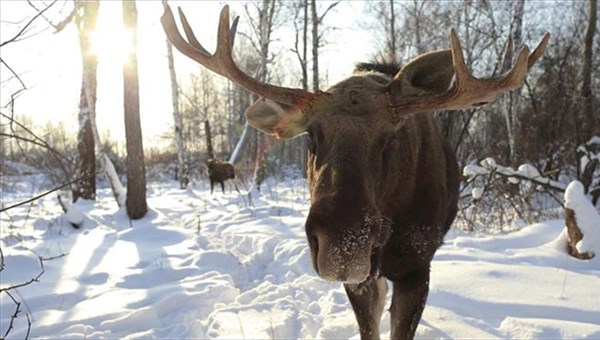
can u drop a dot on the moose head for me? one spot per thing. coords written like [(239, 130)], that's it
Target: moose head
[(383, 182)]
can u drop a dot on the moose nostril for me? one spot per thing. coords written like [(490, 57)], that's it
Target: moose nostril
[(313, 242)]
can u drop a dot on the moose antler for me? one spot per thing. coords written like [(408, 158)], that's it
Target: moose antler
[(221, 62), (468, 91)]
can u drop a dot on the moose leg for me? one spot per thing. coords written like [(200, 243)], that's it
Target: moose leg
[(408, 301), (367, 301), (223, 187), (212, 186)]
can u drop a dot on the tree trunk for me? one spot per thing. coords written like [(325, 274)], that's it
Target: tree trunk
[(86, 15), (265, 28), (315, 44), (182, 173), (574, 234), (302, 140), (239, 147), (586, 71), (391, 55), (136, 172), (209, 144), (513, 116)]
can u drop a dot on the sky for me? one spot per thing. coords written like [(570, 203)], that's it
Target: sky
[(49, 64)]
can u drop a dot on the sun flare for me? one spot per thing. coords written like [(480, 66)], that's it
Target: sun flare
[(112, 42)]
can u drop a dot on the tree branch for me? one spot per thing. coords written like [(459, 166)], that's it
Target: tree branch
[(20, 33), (44, 194)]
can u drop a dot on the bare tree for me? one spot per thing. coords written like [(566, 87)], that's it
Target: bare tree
[(136, 172), (86, 13), (512, 110), (391, 36), (262, 24), (317, 20), (182, 170), (586, 71), (203, 106)]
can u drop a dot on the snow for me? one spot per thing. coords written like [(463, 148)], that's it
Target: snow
[(586, 216), (202, 266), (526, 172), (477, 193)]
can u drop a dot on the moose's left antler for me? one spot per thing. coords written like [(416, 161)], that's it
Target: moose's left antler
[(468, 91)]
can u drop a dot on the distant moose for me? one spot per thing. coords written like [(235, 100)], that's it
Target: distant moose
[(383, 182), (219, 172)]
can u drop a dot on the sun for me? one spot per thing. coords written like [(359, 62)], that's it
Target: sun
[(111, 41)]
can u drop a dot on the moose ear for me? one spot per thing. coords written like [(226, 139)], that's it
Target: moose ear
[(279, 120), (429, 73)]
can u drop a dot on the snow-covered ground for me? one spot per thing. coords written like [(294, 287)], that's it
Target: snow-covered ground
[(202, 266)]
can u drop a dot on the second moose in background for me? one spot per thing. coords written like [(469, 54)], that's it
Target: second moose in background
[(219, 172)]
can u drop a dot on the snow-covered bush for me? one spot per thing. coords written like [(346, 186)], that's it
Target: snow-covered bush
[(504, 199), (589, 167)]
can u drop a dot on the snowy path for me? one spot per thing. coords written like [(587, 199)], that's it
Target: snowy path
[(246, 274)]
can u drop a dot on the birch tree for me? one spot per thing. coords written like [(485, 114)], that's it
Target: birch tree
[(182, 168), (512, 111), (89, 146), (86, 13), (262, 25), (301, 21)]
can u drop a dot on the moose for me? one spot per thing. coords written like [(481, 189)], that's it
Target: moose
[(219, 172), (383, 182)]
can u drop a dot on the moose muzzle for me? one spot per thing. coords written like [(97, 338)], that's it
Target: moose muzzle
[(342, 243)]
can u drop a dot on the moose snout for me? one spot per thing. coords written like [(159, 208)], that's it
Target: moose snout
[(338, 253)]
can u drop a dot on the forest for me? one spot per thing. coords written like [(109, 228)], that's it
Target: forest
[(132, 177)]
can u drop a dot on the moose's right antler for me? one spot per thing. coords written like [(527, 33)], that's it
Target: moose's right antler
[(221, 62)]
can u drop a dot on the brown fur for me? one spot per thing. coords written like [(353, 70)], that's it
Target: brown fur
[(219, 172), (383, 196)]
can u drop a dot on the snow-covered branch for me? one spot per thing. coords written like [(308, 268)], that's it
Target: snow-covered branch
[(525, 172)]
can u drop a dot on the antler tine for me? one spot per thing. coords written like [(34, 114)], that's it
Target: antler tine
[(468, 91), (189, 33), (222, 63), (224, 46), (233, 30), (458, 59), (508, 56), (539, 50), (516, 75)]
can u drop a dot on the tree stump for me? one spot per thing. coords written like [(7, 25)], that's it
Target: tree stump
[(575, 235)]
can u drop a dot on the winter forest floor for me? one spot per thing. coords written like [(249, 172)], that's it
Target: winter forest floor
[(219, 266)]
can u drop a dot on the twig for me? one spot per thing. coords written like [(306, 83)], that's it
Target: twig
[(25, 139), (63, 23), (7, 290), (14, 316), (18, 35), (1, 260), (13, 72), (44, 194)]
